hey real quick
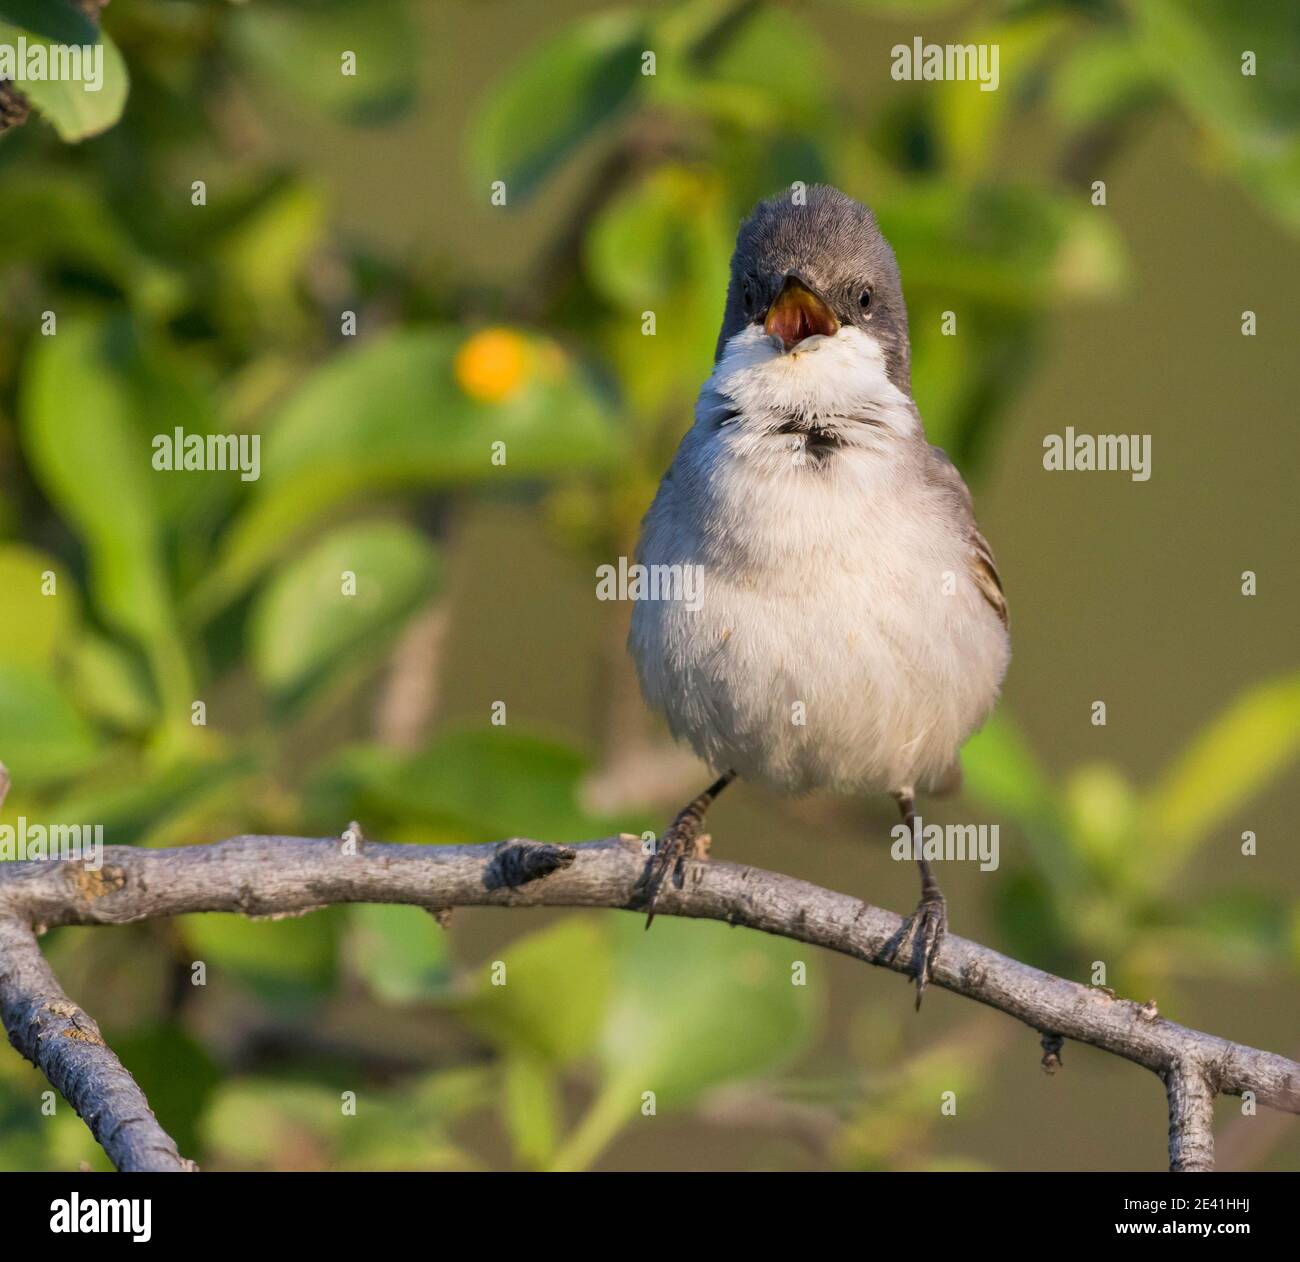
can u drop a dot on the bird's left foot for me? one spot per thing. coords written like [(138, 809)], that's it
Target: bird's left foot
[(925, 928), (682, 841)]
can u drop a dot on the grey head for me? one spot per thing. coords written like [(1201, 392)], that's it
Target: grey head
[(808, 268)]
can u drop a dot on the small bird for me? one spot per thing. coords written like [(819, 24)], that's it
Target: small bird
[(852, 627)]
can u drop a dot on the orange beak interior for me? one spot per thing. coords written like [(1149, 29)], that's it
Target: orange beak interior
[(798, 313)]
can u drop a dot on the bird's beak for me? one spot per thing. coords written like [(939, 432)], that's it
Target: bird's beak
[(797, 313)]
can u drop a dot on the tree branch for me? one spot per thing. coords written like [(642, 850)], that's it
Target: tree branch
[(1191, 1117), (281, 876), (66, 1046)]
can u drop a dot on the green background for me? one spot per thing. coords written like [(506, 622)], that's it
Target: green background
[(325, 193)]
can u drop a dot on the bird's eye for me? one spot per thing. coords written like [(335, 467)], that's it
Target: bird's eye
[(865, 300), (749, 294)]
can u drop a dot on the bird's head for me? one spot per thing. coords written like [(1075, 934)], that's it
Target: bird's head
[(813, 271)]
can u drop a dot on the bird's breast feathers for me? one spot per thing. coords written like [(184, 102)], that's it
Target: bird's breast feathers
[(844, 636)]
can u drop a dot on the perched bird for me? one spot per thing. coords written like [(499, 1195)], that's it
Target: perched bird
[(852, 630)]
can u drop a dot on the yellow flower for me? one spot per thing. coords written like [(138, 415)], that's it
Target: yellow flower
[(491, 365)]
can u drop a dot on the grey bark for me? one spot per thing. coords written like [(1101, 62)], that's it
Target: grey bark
[(1191, 1117), (65, 1044)]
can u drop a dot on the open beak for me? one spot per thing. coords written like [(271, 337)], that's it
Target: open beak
[(798, 313)]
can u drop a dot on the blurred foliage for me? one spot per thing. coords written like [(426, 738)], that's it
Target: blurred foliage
[(72, 111), (1107, 853), (128, 597)]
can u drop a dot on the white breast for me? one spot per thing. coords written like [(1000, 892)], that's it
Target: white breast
[(840, 641)]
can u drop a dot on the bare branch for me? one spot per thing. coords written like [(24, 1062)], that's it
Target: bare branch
[(66, 1046), (268, 876), (1191, 1118)]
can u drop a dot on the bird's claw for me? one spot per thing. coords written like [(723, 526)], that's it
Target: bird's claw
[(683, 840), (926, 928)]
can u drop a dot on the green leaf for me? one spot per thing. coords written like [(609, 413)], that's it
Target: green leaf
[(76, 107), (770, 71), (87, 422), (1230, 760), (531, 1108), (546, 997), (1000, 768), (141, 802), (970, 120), (306, 621), (286, 962), (663, 245), (495, 783), (93, 461), (274, 1124), (42, 738), (1195, 48), (543, 108), (417, 408), (1101, 810), (1102, 77), (299, 49), (400, 952), (662, 239), (727, 993), (1010, 246), (35, 625), (61, 219), (110, 684), (263, 258), (692, 1007)]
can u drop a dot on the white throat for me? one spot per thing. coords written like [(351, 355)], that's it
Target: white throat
[(837, 383)]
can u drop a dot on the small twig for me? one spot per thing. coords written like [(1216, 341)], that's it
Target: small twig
[(1052, 1045), (408, 697)]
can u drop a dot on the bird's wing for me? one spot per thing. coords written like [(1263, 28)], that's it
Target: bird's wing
[(983, 569)]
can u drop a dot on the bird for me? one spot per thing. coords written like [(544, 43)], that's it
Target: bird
[(852, 628)]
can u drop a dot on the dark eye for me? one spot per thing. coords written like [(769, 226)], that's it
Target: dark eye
[(749, 294), (865, 300)]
